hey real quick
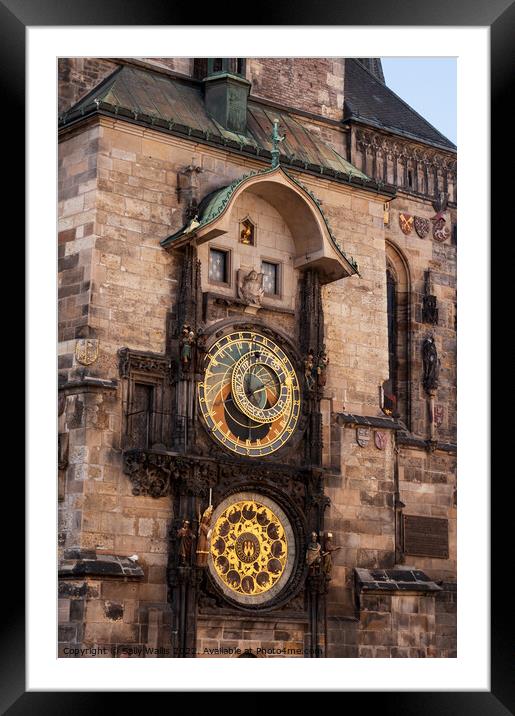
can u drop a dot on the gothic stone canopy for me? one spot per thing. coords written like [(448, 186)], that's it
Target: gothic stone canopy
[(316, 246)]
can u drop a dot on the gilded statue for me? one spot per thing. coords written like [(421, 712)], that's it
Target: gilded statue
[(204, 534)]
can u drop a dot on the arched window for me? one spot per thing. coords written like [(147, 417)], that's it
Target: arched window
[(396, 389)]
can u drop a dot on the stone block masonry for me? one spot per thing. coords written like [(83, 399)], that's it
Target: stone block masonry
[(118, 199)]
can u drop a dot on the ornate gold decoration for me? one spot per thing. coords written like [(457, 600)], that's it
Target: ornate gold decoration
[(86, 351), (247, 232), (249, 547), (250, 395)]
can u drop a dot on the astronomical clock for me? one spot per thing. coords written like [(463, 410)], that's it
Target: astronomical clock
[(247, 476), (245, 465), (251, 409), (250, 396)]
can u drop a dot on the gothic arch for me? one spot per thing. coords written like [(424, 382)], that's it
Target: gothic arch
[(315, 245), (398, 289)]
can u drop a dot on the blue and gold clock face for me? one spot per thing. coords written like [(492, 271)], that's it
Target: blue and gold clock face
[(250, 396)]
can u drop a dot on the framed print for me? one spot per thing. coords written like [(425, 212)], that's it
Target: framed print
[(258, 352)]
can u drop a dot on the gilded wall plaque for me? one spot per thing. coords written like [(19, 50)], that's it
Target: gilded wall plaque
[(86, 351), (251, 548)]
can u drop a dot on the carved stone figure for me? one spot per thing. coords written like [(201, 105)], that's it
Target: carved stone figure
[(185, 536), (187, 342), (201, 344), (327, 556), (430, 309), (323, 362), (440, 204), (313, 554), (204, 534), (431, 365), (250, 288), (309, 370)]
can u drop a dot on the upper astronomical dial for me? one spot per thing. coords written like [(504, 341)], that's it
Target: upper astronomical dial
[(250, 397), (261, 386)]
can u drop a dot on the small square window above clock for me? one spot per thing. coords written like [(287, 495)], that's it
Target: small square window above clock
[(271, 278), (219, 269)]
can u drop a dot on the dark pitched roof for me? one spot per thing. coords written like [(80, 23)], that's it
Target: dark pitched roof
[(177, 104), (373, 65), (369, 100)]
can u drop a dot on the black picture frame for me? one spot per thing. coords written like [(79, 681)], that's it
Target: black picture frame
[(499, 16)]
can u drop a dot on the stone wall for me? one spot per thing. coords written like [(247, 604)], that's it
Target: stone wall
[(118, 199), (77, 198), (79, 75), (427, 487), (445, 620), (397, 626), (226, 636), (314, 85), (105, 617), (420, 255), (361, 515)]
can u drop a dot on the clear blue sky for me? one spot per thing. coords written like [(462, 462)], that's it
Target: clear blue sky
[(428, 84)]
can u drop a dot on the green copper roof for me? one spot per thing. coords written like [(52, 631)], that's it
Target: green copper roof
[(177, 106), (214, 204)]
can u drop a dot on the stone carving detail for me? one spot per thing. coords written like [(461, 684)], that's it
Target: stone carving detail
[(429, 301), (185, 539), (187, 343), (389, 161), (189, 304), (431, 365), (313, 554), (309, 370), (362, 436), (440, 203), (144, 362), (188, 189), (159, 474), (327, 556), (311, 328), (250, 287), (430, 309), (323, 362)]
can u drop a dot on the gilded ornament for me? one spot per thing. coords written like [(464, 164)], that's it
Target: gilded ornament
[(249, 548), (86, 351)]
